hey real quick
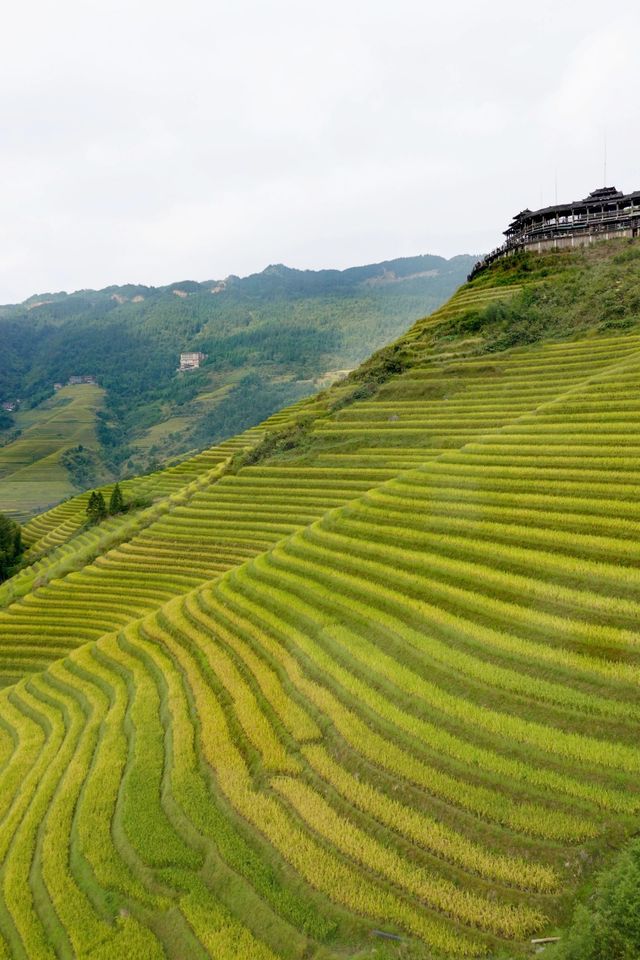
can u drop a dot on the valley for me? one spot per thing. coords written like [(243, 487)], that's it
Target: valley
[(269, 339)]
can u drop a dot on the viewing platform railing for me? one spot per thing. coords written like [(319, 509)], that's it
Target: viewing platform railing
[(558, 230)]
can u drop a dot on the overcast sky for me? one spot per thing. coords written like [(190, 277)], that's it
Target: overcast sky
[(146, 141)]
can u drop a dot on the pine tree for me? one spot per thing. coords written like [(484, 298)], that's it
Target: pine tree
[(101, 507), (116, 503), (96, 508), (92, 510)]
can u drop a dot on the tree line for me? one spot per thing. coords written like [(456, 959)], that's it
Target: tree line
[(97, 509)]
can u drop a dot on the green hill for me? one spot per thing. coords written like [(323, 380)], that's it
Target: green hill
[(34, 472), (270, 339), (361, 681)]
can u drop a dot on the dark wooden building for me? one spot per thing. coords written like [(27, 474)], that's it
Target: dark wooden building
[(606, 213)]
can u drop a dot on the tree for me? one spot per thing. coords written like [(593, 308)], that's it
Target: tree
[(82, 464), (96, 508), (608, 926), (116, 503), (100, 507), (10, 546)]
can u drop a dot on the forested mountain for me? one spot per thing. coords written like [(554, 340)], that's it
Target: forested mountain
[(270, 338)]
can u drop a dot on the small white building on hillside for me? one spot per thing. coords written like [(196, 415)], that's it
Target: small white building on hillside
[(191, 361)]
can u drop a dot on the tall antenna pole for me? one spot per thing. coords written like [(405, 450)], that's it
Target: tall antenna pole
[(556, 186), (605, 158)]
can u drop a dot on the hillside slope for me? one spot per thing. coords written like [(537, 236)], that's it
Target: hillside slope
[(270, 339), (33, 474), (362, 681)]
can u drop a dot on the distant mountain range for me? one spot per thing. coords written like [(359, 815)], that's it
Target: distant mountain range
[(269, 338)]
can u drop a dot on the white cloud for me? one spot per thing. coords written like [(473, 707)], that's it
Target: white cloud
[(151, 141)]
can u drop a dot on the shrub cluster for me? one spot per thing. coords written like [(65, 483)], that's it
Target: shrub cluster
[(608, 927)]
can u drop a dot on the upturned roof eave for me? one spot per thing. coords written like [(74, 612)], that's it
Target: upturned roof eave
[(567, 207)]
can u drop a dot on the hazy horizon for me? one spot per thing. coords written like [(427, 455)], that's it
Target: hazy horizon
[(144, 143)]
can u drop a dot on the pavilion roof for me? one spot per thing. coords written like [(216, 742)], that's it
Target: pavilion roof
[(595, 198)]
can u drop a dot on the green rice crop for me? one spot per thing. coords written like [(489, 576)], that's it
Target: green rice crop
[(382, 680)]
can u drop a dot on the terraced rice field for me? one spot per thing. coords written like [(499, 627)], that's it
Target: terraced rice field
[(57, 525), (378, 694), (31, 476)]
